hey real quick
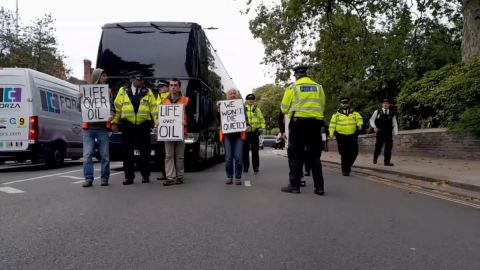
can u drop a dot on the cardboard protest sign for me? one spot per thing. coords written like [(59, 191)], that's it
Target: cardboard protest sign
[(170, 123), (232, 115), (95, 103)]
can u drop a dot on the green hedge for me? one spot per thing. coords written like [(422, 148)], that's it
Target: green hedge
[(440, 97), (469, 122)]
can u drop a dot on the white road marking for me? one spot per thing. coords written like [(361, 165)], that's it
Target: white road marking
[(11, 190), (46, 176), (40, 177), (96, 178), (71, 177)]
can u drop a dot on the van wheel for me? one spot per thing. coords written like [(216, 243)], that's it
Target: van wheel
[(56, 157)]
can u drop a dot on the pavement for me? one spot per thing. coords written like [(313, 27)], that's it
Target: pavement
[(463, 174)]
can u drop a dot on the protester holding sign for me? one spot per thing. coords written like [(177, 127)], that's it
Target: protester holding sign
[(175, 149), (232, 134), (135, 109), (93, 99)]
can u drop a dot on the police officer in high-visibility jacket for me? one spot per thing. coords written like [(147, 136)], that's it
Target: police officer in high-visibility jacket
[(344, 125), (135, 110), (304, 103), (255, 122), (163, 93)]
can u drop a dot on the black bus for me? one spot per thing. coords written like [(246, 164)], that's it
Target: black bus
[(165, 50)]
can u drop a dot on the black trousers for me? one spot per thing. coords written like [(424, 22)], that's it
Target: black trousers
[(253, 141), (348, 149), (305, 133), (136, 136), (387, 139)]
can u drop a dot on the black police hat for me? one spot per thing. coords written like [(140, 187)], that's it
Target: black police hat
[(250, 97), (300, 69), (344, 100), (386, 100), (137, 74), (161, 83)]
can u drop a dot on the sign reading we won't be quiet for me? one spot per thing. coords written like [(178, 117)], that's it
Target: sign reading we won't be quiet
[(95, 103), (232, 115)]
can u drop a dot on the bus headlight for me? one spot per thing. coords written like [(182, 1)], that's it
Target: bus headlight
[(191, 138)]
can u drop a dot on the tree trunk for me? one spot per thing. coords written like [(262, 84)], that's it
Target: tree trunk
[(471, 29)]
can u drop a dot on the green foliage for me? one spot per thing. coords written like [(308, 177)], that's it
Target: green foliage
[(33, 46), (440, 97), (469, 122), (362, 49), (268, 99)]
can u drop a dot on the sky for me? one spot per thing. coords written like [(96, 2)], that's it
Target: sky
[(78, 29)]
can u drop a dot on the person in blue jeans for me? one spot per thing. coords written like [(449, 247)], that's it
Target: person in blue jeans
[(96, 134), (233, 145)]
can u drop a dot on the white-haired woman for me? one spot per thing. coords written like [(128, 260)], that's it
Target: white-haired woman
[(233, 145)]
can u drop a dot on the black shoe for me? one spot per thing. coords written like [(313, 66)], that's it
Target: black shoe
[(87, 184), (389, 164), (245, 170), (319, 192), (145, 180), (345, 173), (374, 161), (162, 177), (104, 184), (127, 182), (169, 182), (290, 189), (256, 170)]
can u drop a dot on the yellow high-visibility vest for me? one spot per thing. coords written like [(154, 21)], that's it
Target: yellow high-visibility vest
[(124, 110), (304, 99), (255, 117), (345, 124)]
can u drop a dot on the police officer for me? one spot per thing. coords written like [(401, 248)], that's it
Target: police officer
[(384, 123), (304, 103), (135, 110), (160, 151), (345, 125), (255, 122)]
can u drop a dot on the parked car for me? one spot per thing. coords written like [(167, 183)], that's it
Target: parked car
[(267, 141)]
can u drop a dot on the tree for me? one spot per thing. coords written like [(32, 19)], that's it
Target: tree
[(33, 46), (268, 98), (471, 29), (363, 49)]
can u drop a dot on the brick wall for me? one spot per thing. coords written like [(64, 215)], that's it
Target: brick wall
[(87, 70), (425, 143)]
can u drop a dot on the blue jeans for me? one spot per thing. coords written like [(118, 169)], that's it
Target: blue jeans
[(89, 136), (233, 145)]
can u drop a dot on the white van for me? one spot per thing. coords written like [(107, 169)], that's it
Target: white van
[(40, 118)]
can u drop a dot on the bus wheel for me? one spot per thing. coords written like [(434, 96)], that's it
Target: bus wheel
[(56, 157)]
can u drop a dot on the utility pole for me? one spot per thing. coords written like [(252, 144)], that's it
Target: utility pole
[(16, 19)]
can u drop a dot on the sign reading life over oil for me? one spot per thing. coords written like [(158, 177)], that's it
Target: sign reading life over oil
[(170, 123), (232, 115), (95, 102)]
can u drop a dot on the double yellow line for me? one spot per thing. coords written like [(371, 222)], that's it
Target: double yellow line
[(419, 190)]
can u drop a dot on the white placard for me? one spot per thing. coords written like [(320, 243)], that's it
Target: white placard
[(170, 123), (232, 114), (95, 102)]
